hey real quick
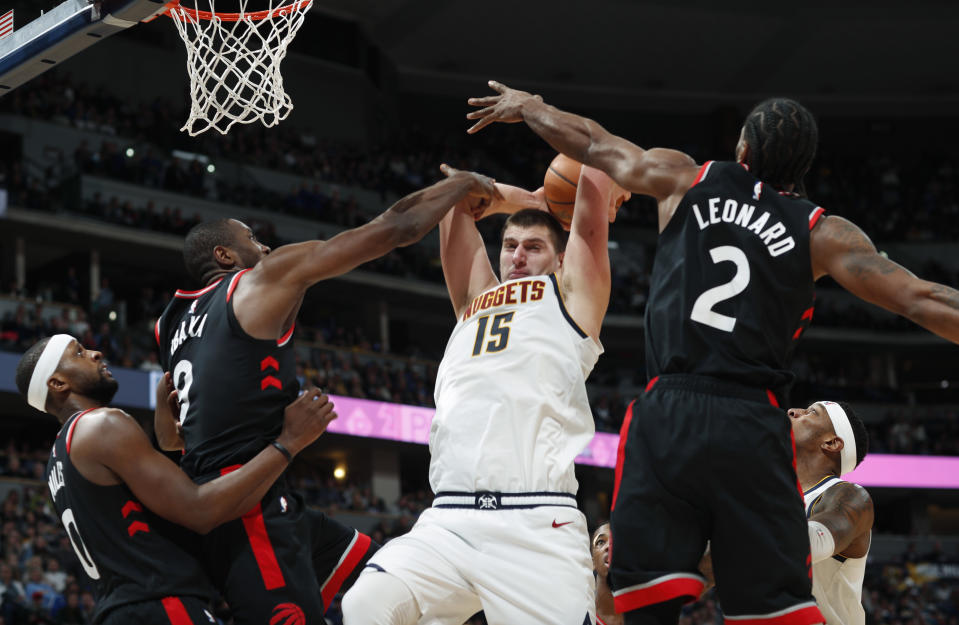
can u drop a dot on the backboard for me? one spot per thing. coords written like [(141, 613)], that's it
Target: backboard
[(65, 30)]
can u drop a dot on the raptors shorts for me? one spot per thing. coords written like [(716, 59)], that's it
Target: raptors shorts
[(166, 611), (701, 459), (283, 562), (529, 566)]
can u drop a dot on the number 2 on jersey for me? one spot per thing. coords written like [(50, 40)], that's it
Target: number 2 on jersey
[(499, 329), (703, 306)]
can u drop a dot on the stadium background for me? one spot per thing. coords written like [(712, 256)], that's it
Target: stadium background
[(100, 188)]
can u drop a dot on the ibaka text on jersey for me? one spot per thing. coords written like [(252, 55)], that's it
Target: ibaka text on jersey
[(732, 212), (193, 329), (509, 293)]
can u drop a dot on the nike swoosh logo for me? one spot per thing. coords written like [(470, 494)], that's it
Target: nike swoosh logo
[(555, 524)]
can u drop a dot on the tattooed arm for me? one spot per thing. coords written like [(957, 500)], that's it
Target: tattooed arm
[(846, 510), (841, 250)]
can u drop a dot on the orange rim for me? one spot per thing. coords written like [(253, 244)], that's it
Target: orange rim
[(236, 17)]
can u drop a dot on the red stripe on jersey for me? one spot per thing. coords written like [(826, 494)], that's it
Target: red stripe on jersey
[(671, 587), (233, 283), (195, 294), (652, 383), (156, 332), (73, 425), (263, 551), (702, 173), (621, 451), (176, 611), (801, 615), (772, 398), (792, 440), (815, 215), (354, 555), (283, 340)]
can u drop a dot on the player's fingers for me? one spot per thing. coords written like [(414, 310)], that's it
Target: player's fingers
[(447, 170), (483, 123), (323, 411), (489, 110), (487, 101), (497, 86)]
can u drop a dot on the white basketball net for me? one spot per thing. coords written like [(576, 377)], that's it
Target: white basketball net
[(234, 66)]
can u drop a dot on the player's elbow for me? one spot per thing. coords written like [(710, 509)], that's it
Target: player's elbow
[(202, 524), (915, 302)]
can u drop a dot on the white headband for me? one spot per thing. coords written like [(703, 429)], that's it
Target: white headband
[(843, 428), (46, 366)]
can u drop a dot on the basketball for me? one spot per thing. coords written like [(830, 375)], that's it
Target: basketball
[(562, 177)]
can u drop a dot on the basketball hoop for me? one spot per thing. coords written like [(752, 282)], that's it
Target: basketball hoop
[(233, 61)]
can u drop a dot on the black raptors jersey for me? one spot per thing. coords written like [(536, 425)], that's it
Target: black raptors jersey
[(131, 554), (732, 285), (233, 388)]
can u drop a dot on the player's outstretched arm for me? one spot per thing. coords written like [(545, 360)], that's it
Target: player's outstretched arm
[(109, 442), (466, 265), (266, 299), (658, 172), (846, 511), (586, 273), (841, 250)]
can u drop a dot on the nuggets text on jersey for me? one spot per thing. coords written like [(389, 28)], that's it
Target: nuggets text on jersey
[(509, 294)]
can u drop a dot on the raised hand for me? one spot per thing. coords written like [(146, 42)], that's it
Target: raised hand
[(305, 419), (482, 194), (505, 107)]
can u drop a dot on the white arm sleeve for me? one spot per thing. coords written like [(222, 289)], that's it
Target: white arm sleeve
[(822, 545)]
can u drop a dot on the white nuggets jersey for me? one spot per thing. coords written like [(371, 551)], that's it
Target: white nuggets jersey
[(511, 405), (836, 581)]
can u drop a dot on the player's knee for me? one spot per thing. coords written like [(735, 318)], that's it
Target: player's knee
[(378, 598)]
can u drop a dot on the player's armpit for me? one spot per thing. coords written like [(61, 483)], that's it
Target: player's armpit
[(840, 249), (847, 512)]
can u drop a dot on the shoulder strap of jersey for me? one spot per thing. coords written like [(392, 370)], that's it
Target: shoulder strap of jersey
[(817, 491), (72, 425)]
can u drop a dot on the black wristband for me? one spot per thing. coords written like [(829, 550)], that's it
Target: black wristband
[(283, 450)]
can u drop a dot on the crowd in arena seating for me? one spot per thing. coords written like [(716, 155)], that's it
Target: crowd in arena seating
[(890, 199), (893, 199)]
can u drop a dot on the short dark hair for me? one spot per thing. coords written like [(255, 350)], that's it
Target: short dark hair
[(199, 244), (529, 217), (596, 529), (859, 431), (27, 364), (782, 137)]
